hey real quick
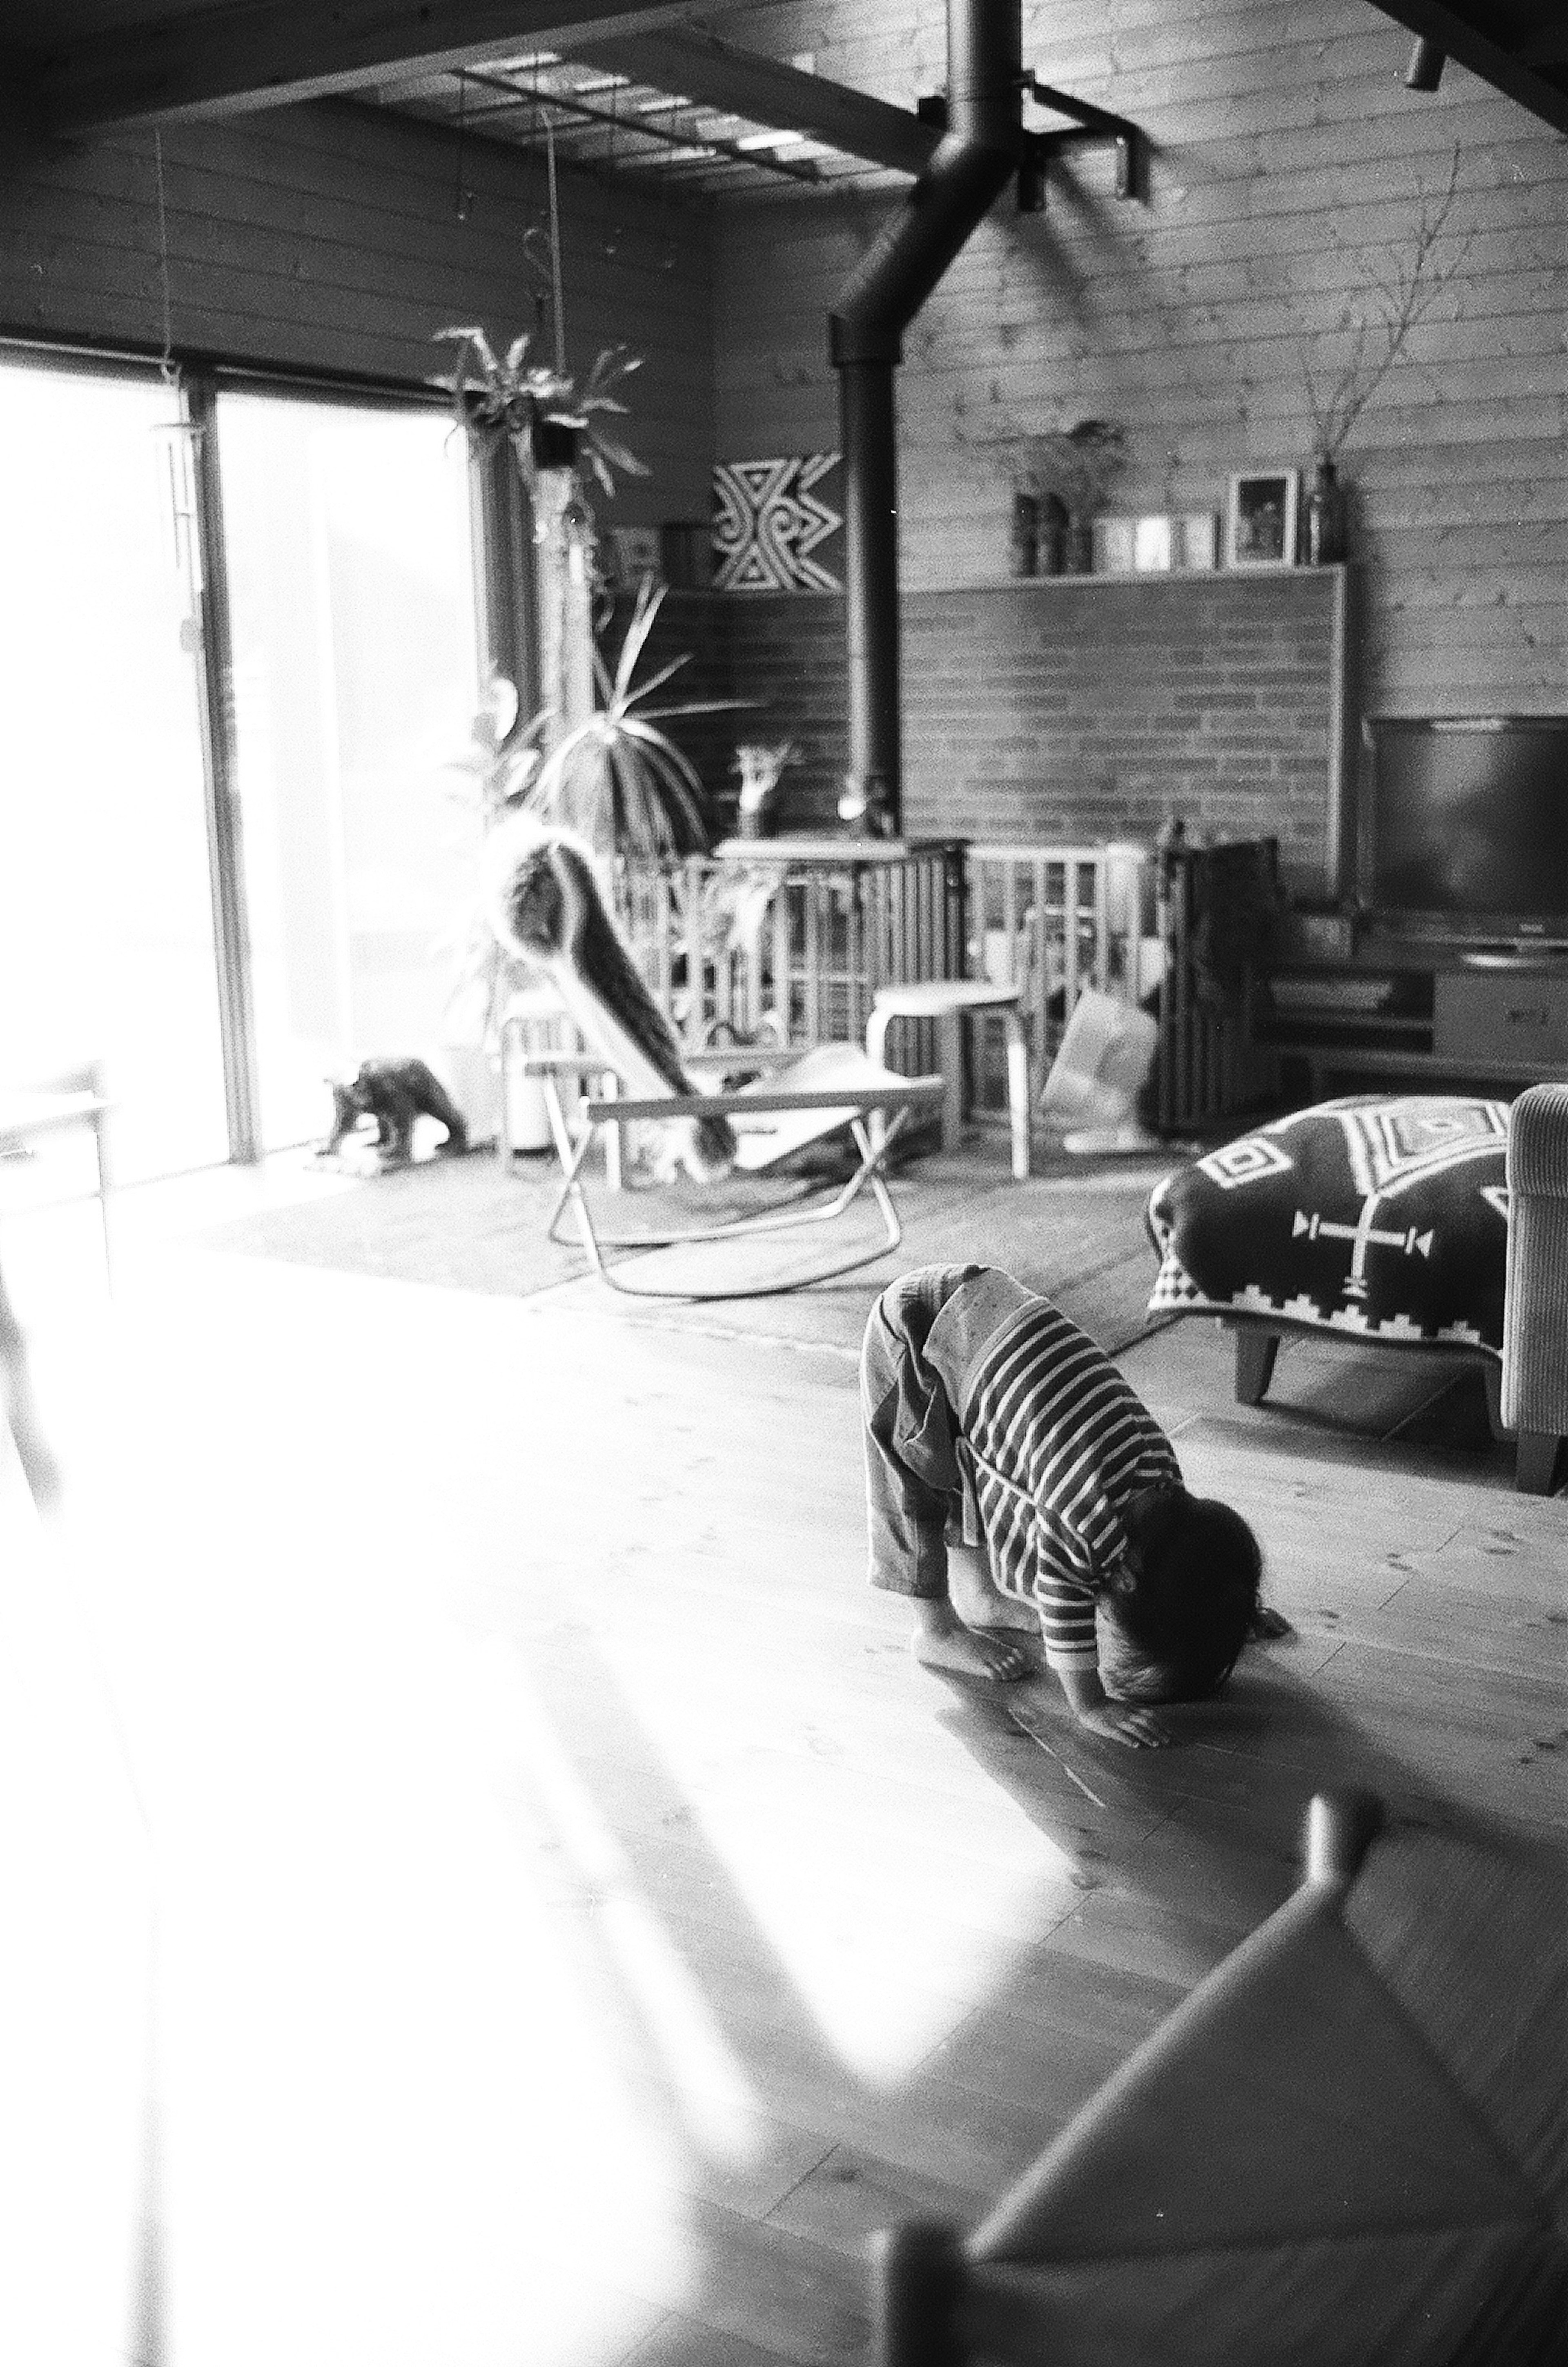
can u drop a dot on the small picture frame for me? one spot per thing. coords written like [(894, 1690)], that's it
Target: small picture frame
[(638, 554), (1260, 519)]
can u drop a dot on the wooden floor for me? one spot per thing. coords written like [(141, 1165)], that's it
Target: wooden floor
[(579, 1921)]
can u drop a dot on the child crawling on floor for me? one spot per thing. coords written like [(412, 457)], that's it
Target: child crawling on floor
[(1014, 1479)]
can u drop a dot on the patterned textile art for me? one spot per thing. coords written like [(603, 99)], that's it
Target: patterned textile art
[(771, 523), (1380, 1216)]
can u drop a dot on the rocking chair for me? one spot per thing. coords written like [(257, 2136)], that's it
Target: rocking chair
[(812, 1095)]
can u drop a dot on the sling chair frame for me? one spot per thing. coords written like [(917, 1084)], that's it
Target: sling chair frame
[(895, 1100)]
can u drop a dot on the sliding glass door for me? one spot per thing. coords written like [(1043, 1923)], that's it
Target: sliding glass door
[(327, 681), (354, 640), (106, 915)]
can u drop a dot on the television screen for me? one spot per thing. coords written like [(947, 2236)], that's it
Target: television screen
[(1465, 824)]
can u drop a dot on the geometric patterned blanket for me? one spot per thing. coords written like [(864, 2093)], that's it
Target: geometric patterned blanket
[(1381, 1216)]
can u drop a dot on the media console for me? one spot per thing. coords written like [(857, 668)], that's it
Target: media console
[(1433, 1016)]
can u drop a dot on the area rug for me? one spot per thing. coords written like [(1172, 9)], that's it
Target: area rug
[(469, 1224)]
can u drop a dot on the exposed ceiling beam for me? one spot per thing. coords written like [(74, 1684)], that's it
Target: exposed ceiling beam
[(261, 53), (714, 73), (1507, 68), (552, 100)]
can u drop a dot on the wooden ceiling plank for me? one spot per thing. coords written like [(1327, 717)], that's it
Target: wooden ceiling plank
[(1458, 32), (263, 53), (718, 73)]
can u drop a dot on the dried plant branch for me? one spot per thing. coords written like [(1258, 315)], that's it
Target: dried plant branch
[(1405, 296)]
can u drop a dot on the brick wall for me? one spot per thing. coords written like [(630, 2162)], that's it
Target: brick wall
[(1088, 708)]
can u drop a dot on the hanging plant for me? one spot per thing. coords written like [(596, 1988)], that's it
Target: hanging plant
[(547, 419), (618, 777)]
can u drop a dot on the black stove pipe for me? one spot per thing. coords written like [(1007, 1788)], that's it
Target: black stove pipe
[(978, 154)]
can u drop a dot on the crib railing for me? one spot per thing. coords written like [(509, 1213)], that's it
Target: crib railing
[(1177, 930), (1053, 920), (788, 945), (1215, 906)]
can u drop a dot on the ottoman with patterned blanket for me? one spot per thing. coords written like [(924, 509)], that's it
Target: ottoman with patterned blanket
[(1383, 1218)]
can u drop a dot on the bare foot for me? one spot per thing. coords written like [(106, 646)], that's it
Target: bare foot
[(943, 1641), (978, 1602)]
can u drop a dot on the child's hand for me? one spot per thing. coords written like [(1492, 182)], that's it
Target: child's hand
[(1140, 1730)]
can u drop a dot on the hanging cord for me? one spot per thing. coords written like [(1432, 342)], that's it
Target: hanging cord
[(557, 289), (462, 196), (166, 369)]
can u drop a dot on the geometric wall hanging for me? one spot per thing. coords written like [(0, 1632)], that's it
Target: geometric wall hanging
[(772, 529)]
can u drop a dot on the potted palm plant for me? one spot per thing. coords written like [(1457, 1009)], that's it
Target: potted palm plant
[(617, 778)]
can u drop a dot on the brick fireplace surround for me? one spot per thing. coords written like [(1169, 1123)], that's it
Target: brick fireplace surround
[(1062, 707)]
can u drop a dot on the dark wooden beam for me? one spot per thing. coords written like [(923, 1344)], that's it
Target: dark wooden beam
[(1472, 37), (262, 53), (715, 73)]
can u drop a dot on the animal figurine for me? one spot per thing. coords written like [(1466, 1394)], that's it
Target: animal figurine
[(544, 902), (394, 1092)]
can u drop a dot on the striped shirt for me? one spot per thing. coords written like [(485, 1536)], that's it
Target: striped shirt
[(1054, 1444)]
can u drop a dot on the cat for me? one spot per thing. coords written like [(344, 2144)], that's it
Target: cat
[(394, 1092)]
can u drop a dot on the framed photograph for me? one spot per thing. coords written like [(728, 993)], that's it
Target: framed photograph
[(1260, 523)]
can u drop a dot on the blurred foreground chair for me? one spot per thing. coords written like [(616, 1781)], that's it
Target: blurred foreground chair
[(1347, 2147), (1535, 1296), (76, 1097)]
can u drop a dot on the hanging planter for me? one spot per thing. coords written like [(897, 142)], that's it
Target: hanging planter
[(554, 445), (547, 419)]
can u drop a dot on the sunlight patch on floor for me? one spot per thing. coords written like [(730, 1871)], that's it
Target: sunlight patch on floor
[(824, 1883)]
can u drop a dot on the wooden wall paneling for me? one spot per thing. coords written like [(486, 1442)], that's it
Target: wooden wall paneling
[(327, 237), (1287, 157)]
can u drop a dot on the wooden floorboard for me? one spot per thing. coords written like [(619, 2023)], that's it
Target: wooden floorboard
[(566, 1860)]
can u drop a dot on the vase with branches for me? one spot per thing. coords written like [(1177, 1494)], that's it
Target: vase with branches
[(1073, 467), (1339, 382)]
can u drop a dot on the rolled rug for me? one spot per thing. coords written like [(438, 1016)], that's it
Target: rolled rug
[(543, 901)]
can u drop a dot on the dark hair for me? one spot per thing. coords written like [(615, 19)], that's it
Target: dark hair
[(1185, 1597)]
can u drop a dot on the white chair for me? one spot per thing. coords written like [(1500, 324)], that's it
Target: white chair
[(949, 1002)]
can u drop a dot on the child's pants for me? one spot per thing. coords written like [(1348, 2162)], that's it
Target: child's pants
[(917, 1500)]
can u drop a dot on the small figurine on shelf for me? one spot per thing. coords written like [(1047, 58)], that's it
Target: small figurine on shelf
[(760, 767)]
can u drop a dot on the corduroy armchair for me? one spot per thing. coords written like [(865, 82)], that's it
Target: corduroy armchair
[(1535, 1306)]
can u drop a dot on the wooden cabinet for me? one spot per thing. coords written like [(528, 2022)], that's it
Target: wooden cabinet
[(1509, 1018), (1425, 1016)]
